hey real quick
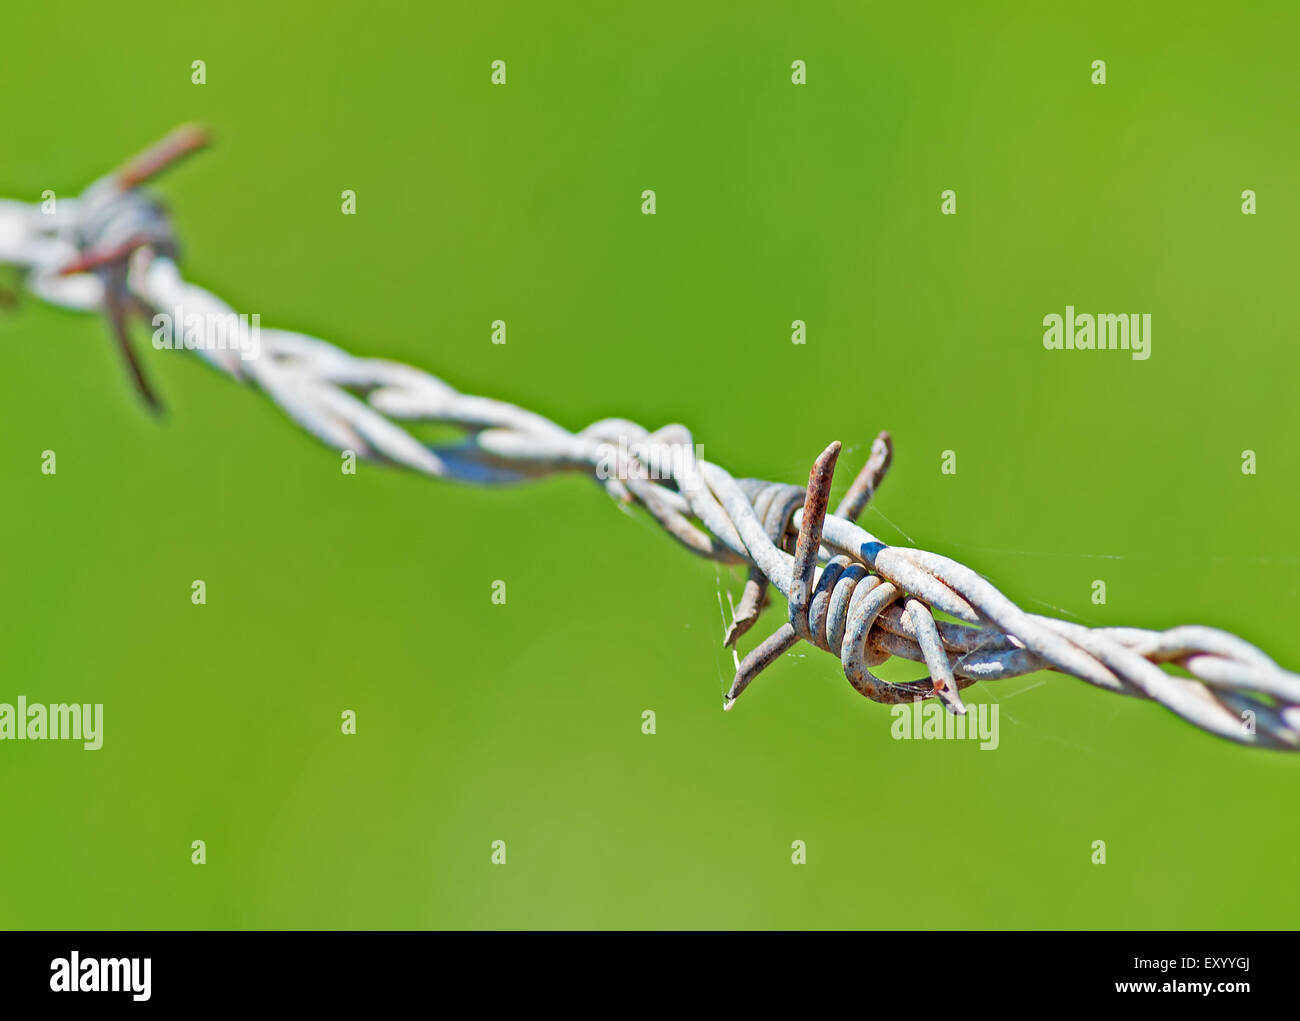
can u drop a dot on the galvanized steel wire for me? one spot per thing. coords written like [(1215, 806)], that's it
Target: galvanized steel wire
[(112, 250)]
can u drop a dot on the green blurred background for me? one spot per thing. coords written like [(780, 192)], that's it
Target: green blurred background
[(521, 722)]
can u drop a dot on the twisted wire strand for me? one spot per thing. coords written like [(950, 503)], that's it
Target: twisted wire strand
[(113, 250)]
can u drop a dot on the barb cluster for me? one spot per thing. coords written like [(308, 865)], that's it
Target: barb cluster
[(112, 250)]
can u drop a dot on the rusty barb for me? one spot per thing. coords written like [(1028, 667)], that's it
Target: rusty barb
[(836, 608), (112, 250)]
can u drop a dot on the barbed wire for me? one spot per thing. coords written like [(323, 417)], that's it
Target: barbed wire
[(113, 250)]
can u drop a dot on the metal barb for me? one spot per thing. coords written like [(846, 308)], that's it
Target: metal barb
[(869, 479), (162, 155), (810, 538)]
